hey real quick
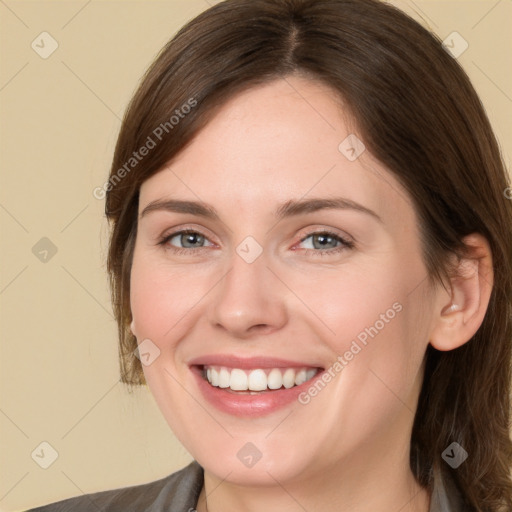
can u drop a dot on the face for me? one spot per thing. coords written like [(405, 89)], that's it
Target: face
[(321, 309)]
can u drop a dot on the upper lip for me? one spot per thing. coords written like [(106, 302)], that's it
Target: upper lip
[(231, 361)]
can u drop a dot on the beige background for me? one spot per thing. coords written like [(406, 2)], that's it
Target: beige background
[(60, 117)]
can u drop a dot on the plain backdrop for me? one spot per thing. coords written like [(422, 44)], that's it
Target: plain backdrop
[(59, 379)]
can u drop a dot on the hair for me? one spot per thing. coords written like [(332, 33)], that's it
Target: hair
[(419, 115)]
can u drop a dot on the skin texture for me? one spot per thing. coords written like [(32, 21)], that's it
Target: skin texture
[(348, 448)]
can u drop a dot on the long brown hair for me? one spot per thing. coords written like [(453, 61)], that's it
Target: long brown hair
[(420, 116)]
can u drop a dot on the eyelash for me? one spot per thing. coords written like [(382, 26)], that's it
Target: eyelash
[(345, 244)]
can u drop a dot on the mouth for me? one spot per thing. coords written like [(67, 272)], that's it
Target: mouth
[(256, 380), (252, 386)]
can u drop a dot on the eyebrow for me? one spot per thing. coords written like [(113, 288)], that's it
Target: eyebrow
[(288, 209)]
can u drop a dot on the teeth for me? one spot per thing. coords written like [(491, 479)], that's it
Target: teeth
[(258, 379), (274, 379), (214, 376), (238, 380), (300, 377), (224, 376), (289, 378)]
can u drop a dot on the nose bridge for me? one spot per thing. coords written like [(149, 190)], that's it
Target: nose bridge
[(248, 297)]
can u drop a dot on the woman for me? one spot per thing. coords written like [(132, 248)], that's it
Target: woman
[(310, 263)]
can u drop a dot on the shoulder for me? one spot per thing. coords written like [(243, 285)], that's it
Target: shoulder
[(176, 492)]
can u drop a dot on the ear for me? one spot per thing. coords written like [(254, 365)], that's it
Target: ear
[(132, 327), (459, 313)]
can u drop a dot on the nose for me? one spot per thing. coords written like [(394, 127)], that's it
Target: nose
[(249, 300)]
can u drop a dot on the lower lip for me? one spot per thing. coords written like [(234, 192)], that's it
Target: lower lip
[(249, 405)]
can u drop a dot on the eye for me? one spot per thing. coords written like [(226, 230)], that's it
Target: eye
[(187, 241), (187, 238), (327, 241)]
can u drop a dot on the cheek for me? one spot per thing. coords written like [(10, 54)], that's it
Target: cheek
[(162, 302), (352, 301), (375, 321), (162, 299)]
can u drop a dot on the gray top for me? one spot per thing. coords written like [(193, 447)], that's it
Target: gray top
[(180, 491)]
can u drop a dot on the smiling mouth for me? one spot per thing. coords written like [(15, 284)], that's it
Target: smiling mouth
[(256, 380)]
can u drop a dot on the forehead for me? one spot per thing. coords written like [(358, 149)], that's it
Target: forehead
[(283, 140)]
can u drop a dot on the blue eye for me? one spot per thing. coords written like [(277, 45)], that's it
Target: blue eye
[(323, 240), (188, 238), (323, 243), (326, 243)]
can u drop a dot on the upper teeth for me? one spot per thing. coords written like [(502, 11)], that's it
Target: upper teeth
[(258, 379)]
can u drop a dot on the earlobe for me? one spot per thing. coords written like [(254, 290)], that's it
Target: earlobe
[(461, 314), (132, 328)]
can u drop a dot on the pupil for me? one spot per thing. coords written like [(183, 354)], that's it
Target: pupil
[(324, 239), (192, 238)]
